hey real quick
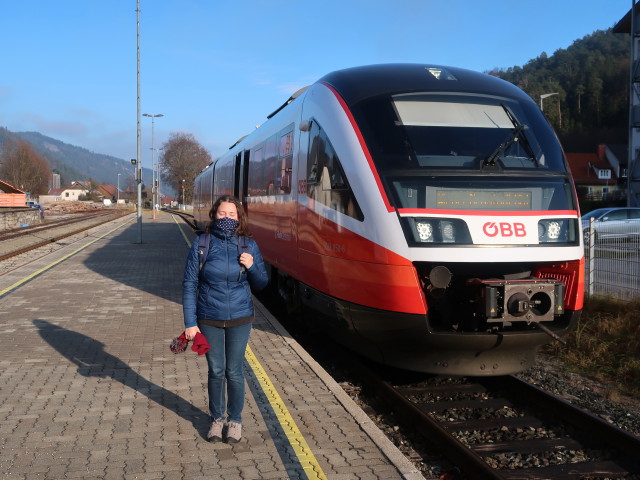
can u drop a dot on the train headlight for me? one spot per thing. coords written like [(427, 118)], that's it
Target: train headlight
[(425, 231), (434, 231), (448, 231), (554, 230)]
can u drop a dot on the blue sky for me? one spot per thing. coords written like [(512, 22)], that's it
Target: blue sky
[(216, 69)]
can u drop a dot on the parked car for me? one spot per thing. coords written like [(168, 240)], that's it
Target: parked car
[(610, 223)]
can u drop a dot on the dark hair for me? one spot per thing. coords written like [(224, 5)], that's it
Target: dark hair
[(243, 225)]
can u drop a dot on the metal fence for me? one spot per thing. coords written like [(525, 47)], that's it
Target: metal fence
[(612, 261)]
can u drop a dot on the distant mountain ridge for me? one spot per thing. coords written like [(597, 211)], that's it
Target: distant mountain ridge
[(77, 163)]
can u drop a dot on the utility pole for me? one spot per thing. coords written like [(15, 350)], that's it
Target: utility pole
[(138, 153)]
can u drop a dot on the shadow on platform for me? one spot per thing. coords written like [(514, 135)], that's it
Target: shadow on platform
[(154, 266), (92, 361)]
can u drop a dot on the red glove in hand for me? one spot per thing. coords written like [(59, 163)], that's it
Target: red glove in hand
[(179, 344), (200, 344)]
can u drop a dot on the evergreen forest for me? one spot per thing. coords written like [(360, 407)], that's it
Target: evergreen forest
[(590, 83)]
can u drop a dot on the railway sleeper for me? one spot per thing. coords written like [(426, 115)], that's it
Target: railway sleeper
[(566, 471)]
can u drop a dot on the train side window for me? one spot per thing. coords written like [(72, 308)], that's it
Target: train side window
[(326, 181), (223, 177), (270, 166), (256, 174)]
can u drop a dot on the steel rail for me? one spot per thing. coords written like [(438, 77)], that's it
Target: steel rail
[(592, 431), (594, 428), (19, 232), (57, 237), (458, 453)]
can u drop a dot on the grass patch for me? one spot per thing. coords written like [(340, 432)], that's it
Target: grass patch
[(606, 344)]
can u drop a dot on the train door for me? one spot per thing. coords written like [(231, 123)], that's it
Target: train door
[(237, 179), (301, 199), (242, 176), (309, 235)]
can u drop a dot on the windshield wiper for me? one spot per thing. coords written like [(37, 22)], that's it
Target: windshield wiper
[(516, 135)]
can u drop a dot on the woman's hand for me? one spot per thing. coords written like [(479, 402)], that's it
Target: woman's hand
[(246, 259), (190, 332)]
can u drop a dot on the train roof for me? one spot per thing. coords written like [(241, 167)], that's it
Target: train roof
[(358, 83)]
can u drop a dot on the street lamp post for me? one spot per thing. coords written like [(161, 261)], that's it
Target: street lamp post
[(118, 192), (543, 96), (154, 190), (138, 142)]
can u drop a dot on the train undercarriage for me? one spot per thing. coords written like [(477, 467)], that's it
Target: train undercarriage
[(475, 326)]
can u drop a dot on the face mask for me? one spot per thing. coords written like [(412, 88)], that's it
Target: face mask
[(226, 224)]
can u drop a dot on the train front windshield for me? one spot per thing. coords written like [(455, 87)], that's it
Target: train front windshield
[(467, 153), (464, 132)]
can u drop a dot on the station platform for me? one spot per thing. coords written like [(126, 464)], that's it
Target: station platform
[(89, 388)]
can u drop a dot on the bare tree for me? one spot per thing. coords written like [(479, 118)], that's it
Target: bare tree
[(25, 169), (182, 159)]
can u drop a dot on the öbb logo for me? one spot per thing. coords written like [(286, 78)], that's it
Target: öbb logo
[(504, 229)]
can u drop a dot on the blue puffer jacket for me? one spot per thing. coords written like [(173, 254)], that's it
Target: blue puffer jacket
[(222, 290)]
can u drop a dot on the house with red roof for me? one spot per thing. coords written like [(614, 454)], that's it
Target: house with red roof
[(595, 176), (109, 192), (11, 196)]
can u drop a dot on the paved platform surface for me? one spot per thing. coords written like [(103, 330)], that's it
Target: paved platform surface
[(90, 389)]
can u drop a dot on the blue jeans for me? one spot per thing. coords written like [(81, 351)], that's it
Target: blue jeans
[(225, 360)]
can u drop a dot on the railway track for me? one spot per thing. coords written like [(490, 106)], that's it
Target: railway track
[(506, 428), (17, 241)]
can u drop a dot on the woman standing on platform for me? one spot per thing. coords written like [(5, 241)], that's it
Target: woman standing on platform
[(217, 302)]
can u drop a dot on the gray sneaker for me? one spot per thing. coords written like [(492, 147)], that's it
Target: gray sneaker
[(234, 432), (215, 431)]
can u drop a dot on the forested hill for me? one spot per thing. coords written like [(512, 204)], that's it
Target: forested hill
[(91, 165), (77, 163), (591, 78)]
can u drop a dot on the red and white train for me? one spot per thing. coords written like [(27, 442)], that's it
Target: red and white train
[(423, 215)]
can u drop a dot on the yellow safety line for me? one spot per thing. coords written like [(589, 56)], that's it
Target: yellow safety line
[(181, 231), (296, 439), (300, 446), (51, 265)]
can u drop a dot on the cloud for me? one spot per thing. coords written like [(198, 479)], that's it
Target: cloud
[(292, 87), (56, 127), (5, 93), (118, 143), (85, 113), (261, 78)]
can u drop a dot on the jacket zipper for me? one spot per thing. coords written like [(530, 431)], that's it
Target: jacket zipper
[(226, 247)]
